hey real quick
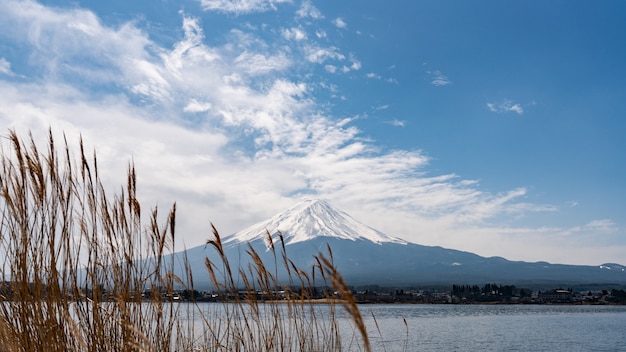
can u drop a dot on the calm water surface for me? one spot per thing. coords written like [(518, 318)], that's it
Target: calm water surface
[(417, 327), (496, 327)]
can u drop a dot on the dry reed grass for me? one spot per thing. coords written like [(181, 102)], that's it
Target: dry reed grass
[(76, 260)]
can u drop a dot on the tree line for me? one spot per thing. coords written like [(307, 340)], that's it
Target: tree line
[(473, 291)]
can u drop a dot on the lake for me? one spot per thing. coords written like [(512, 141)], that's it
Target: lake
[(474, 327), (447, 327), (496, 327), (424, 327)]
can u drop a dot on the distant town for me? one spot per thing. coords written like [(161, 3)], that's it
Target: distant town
[(493, 293), (461, 294), (457, 294)]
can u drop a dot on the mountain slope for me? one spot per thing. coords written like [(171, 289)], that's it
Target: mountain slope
[(365, 256)]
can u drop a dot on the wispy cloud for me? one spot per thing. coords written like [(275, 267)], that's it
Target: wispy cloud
[(294, 33), (196, 106), (5, 66), (320, 34), (356, 64), (438, 79), (517, 108), (376, 76), (240, 6), (308, 10), (320, 55), (505, 106), (339, 23), (397, 123), (259, 63)]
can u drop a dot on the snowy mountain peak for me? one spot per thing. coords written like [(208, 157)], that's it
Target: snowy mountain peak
[(310, 219)]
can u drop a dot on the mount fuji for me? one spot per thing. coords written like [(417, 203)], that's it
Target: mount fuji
[(310, 220), (365, 256)]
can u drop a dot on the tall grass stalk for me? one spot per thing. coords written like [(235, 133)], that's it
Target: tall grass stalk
[(85, 270)]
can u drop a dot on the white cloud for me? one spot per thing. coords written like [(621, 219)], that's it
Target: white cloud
[(505, 106), (320, 34), (397, 123), (240, 6), (148, 80), (308, 10), (440, 82), (320, 55), (5, 66), (516, 108), (604, 226), (438, 79), (339, 23), (196, 106), (256, 63), (294, 34), (372, 75), (356, 65)]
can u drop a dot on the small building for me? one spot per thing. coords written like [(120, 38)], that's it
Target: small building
[(556, 296)]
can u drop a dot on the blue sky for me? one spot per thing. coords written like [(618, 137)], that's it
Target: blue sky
[(494, 127)]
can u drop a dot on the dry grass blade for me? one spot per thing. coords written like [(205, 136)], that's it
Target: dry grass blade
[(379, 332), (406, 337), (348, 301)]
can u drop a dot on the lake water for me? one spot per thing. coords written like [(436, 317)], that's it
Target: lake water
[(448, 327), (552, 328), (423, 327)]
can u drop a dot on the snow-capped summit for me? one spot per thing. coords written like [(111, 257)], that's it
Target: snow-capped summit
[(310, 219)]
